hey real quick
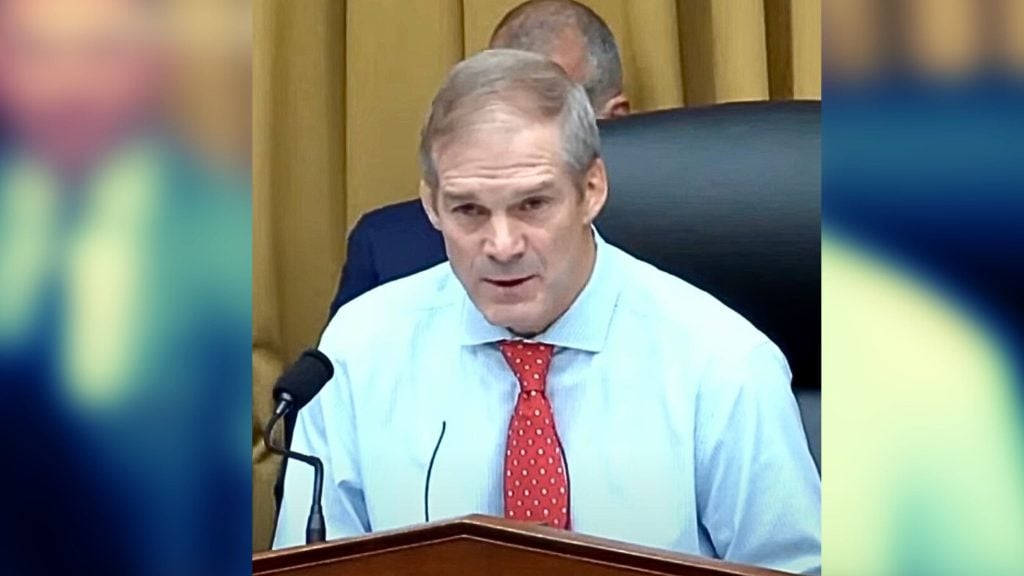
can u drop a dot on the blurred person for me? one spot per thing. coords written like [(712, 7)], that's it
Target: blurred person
[(398, 240), (117, 314), (541, 348), (72, 88)]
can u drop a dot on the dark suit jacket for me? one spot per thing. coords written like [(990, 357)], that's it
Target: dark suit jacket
[(387, 244)]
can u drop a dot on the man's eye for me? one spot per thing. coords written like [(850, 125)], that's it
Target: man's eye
[(531, 204), (468, 210)]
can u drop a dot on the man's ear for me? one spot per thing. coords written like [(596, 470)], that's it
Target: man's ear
[(595, 190), (429, 200), (617, 107)]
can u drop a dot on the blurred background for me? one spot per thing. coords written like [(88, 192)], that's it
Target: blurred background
[(125, 295), (340, 92), (922, 316)]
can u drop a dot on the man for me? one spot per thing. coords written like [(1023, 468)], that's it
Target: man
[(398, 240), (543, 353)]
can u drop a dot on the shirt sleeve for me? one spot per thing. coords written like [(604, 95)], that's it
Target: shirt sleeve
[(758, 491), (343, 503)]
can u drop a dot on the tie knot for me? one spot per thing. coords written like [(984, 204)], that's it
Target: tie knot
[(529, 361)]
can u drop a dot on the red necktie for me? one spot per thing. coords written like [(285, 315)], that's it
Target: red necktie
[(536, 482)]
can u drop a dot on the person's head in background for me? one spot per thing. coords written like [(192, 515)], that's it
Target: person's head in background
[(78, 78), (511, 160), (575, 38)]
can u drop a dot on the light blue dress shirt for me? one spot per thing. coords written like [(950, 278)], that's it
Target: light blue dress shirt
[(679, 426)]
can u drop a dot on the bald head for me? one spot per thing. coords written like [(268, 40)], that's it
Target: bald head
[(575, 38)]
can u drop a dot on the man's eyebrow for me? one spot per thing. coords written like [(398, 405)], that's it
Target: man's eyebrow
[(449, 197), (545, 186)]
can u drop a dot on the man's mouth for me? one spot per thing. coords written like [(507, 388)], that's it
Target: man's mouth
[(507, 282)]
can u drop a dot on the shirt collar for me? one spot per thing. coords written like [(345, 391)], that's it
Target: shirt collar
[(584, 326)]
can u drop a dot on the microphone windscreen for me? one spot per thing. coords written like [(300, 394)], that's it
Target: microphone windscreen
[(305, 378)]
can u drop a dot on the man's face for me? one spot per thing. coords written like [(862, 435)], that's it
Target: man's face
[(515, 224), (75, 75)]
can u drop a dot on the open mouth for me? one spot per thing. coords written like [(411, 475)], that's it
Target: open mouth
[(511, 283)]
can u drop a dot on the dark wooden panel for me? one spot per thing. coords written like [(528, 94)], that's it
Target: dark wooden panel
[(488, 546)]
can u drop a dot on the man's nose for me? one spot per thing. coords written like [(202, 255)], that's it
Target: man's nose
[(505, 242)]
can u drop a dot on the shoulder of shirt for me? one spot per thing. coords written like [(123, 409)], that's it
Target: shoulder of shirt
[(393, 308), (668, 303)]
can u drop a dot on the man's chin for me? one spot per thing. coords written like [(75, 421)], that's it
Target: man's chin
[(519, 318)]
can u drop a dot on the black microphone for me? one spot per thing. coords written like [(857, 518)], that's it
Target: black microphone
[(302, 381), (293, 390)]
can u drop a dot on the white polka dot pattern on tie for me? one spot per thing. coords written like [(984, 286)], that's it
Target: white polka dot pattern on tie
[(532, 417)]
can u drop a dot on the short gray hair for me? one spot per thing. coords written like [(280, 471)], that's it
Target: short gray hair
[(534, 26), (531, 86)]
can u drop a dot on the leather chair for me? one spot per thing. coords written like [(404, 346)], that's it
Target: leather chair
[(728, 198)]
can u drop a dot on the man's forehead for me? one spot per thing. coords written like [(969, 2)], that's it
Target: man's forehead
[(496, 143), (504, 114)]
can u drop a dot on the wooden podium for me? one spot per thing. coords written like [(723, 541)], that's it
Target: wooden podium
[(486, 546)]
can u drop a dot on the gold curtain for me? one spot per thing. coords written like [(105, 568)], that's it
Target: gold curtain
[(340, 88)]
